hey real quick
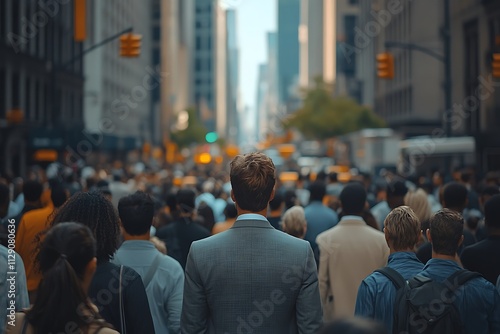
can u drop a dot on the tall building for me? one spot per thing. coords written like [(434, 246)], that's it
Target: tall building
[(273, 111), (221, 74), (363, 50), (311, 41), (203, 93), (118, 90), (176, 50), (261, 102), (345, 18), (233, 97), (288, 48), (413, 102), (475, 28), (39, 80)]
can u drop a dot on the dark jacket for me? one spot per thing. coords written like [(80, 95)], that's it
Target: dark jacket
[(104, 293), (483, 257), (178, 237)]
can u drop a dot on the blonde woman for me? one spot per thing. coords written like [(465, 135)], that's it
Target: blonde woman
[(418, 202), (294, 222)]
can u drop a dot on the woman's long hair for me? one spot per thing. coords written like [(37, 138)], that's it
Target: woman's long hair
[(96, 212), (61, 301)]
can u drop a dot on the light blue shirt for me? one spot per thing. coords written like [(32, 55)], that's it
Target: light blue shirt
[(20, 294), (319, 219), (166, 287), (251, 216), (380, 212)]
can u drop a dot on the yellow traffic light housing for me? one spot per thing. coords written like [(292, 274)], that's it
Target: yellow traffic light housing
[(496, 65), (130, 45), (385, 65), (80, 20)]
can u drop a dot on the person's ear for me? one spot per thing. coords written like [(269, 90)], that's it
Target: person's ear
[(232, 196), (428, 234), (460, 242), (386, 234), (272, 194)]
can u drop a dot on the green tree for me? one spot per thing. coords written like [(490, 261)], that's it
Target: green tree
[(323, 116), (194, 133)]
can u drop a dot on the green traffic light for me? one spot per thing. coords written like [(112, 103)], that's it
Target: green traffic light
[(211, 137)]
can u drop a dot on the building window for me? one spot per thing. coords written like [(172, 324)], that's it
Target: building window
[(156, 33)]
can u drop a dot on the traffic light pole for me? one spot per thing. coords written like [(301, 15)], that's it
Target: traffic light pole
[(98, 45)]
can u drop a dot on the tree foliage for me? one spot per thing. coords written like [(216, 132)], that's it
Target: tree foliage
[(193, 134), (323, 116)]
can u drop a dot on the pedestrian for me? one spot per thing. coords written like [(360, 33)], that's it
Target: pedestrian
[(294, 222)]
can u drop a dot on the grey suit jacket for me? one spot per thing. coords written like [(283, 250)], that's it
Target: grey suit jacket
[(251, 279)]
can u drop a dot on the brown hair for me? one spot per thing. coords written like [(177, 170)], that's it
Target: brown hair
[(252, 180), (446, 227), (403, 228)]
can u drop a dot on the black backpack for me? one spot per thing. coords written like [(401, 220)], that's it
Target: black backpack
[(425, 306)]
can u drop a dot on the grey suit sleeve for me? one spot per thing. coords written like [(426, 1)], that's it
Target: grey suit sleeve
[(194, 318), (308, 307)]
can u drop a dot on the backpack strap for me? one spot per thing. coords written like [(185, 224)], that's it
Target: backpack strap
[(152, 269), (459, 278), (395, 277)]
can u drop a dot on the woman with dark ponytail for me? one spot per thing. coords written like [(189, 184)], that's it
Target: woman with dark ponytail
[(67, 261), (117, 291)]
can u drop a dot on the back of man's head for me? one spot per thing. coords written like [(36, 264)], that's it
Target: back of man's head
[(58, 195), (185, 199), (253, 177), (397, 188), (333, 177), (276, 203), (446, 230), (136, 213), (317, 190), (230, 211), (402, 228), (353, 199), (455, 196), (32, 190), (492, 212)]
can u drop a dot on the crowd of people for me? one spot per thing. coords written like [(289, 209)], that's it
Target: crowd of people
[(107, 250)]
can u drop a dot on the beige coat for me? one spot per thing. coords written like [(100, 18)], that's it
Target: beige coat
[(349, 252)]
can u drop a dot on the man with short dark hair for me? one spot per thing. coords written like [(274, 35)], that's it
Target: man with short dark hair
[(163, 277), (251, 278), (477, 301), (395, 194), (483, 257), (454, 198), (319, 217), (377, 293), (348, 253), (180, 234)]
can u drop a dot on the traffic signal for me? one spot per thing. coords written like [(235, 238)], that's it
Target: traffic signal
[(130, 45), (496, 65), (211, 137), (385, 65), (80, 19)]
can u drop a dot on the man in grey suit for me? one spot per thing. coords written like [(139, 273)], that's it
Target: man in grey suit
[(251, 278)]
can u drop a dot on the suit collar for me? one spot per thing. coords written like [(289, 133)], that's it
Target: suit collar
[(252, 223), (352, 222)]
